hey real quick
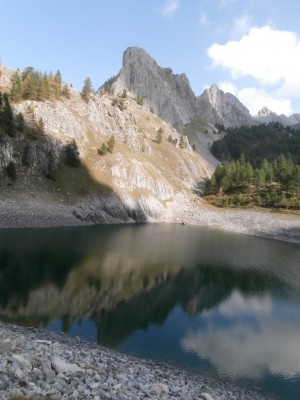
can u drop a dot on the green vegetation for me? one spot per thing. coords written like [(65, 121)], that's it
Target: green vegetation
[(107, 146), (29, 140), (258, 143), (273, 184), (33, 85), (107, 86), (159, 135), (261, 168), (11, 171), (71, 154), (87, 89), (7, 125), (119, 102), (182, 143), (139, 100), (124, 94)]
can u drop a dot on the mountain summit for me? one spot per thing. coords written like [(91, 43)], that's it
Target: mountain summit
[(217, 107), (170, 95), (266, 116)]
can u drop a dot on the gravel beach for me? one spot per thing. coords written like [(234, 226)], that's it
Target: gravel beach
[(24, 210), (37, 364)]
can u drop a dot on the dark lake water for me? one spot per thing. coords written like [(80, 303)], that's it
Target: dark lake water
[(217, 303)]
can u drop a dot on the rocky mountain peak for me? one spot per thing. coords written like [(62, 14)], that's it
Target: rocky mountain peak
[(169, 95), (217, 107), (264, 112)]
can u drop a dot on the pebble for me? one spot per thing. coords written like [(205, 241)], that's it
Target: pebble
[(36, 364)]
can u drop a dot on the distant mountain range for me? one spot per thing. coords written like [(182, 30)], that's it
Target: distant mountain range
[(170, 96), (266, 116)]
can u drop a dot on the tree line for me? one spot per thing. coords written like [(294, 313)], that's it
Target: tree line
[(34, 85), (258, 142), (273, 184)]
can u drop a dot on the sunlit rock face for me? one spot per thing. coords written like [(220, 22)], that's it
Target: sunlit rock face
[(169, 96), (217, 107)]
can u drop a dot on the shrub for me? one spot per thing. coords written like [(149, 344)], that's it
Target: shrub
[(72, 154), (102, 150), (111, 144), (139, 100), (159, 135), (11, 171)]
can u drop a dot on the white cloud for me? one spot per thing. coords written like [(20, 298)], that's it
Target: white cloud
[(169, 8), (242, 349), (237, 304), (241, 25), (270, 56), (227, 86), (203, 20), (255, 99)]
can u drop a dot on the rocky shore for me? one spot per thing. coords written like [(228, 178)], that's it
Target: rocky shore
[(23, 210), (36, 364)]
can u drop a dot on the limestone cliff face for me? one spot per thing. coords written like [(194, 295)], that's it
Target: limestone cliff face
[(217, 107), (136, 182), (169, 96)]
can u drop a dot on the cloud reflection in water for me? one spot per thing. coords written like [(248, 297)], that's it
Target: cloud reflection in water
[(257, 338)]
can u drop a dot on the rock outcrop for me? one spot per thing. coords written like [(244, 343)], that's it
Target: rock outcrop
[(217, 107), (135, 182), (265, 116), (169, 96)]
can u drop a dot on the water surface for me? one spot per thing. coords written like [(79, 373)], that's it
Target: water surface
[(216, 303)]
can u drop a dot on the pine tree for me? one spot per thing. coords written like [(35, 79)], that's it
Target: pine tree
[(66, 92), (72, 154), (7, 116), (57, 84), (11, 171), (20, 122), (87, 89), (159, 135), (16, 87), (111, 144)]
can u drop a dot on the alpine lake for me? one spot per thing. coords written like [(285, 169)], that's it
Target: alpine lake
[(216, 303)]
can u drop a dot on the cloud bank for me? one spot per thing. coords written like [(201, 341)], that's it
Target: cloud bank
[(269, 56)]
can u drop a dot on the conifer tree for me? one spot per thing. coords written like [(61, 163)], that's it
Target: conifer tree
[(72, 154), (16, 88), (111, 144), (87, 89), (7, 116)]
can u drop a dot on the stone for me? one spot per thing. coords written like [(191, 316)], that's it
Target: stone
[(61, 366), (160, 388), (206, 396)]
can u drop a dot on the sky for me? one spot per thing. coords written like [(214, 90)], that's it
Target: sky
[(250, 48)]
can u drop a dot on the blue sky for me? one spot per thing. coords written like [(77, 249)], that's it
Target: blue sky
[(248, 47)]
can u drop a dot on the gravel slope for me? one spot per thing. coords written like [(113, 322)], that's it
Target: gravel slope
[(35, 363), (43, 210)]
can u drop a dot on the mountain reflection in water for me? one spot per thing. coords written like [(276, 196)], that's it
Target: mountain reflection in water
[(215, 302)]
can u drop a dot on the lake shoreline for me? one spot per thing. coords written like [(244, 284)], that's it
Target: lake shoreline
[(28, 211), (35, 362)]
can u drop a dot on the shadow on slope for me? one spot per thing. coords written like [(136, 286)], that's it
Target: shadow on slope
[(39, 167)]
